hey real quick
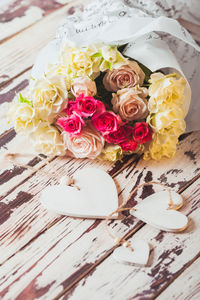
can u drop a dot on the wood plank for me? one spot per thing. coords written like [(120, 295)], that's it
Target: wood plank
[(12, 176), (171, 255), (186, 286), (10, 142), (60, 245), (19, 53), (38, 263), (22, 207), (7, 94), (16, 15)]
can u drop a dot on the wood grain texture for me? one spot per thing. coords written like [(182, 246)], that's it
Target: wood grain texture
[(43, 255), (23, 209), (171, 254), (7, 94), (186, 286), (17, 15), (60, 245), (19, 53)]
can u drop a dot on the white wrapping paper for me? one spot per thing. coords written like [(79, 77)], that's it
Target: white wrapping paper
[(158, 43)]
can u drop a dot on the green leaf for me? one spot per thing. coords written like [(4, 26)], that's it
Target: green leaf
[(102, 59), (146, 71), (98, 54), (31, 77), (109, 65), (22, 99)]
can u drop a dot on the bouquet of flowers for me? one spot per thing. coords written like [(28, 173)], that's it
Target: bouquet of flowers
[(96, 102)]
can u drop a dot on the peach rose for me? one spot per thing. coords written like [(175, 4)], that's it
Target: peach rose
[(83, 85), (131, 104), (125, 76), (88, 144)]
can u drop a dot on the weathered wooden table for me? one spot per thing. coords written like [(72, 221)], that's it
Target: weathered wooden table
[(48, 256)]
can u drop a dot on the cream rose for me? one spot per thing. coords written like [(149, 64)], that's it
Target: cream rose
[(83, 85), (166, 91), (47, 140), (54, 70), (23, 116), (128, 75), (77, 60), (50, 97), (169, 121), (88, 144), (131, 104)]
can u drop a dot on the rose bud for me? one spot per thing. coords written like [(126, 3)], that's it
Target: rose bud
[(71, 107), (87, 106), (72, 124), (142, 133), (129, 145), (120, 135), (106, 122)]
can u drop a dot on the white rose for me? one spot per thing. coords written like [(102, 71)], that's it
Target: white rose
[(47, 140), (76, 60), (50, 97), (88, 144), (55, 70), (23, 116)]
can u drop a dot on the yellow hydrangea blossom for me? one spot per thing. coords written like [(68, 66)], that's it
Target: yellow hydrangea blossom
[(166, 115)]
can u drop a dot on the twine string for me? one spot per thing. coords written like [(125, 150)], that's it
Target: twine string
[(12, 156), (121, 241)]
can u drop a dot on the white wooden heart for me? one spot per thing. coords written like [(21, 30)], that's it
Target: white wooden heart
[(97, 197), (138, 257), (154, 211)]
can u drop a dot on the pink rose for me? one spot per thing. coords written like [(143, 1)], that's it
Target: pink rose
[(142, 133), (83, 85), (131, 104), (72, 124), (129, 145), (106, 122), (88, 144), (119, 135), (71, 107), (88, 106), (125, 76)]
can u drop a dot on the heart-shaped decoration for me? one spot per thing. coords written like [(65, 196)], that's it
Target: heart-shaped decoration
[(97, 197), (154, 210), (138, 257)]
